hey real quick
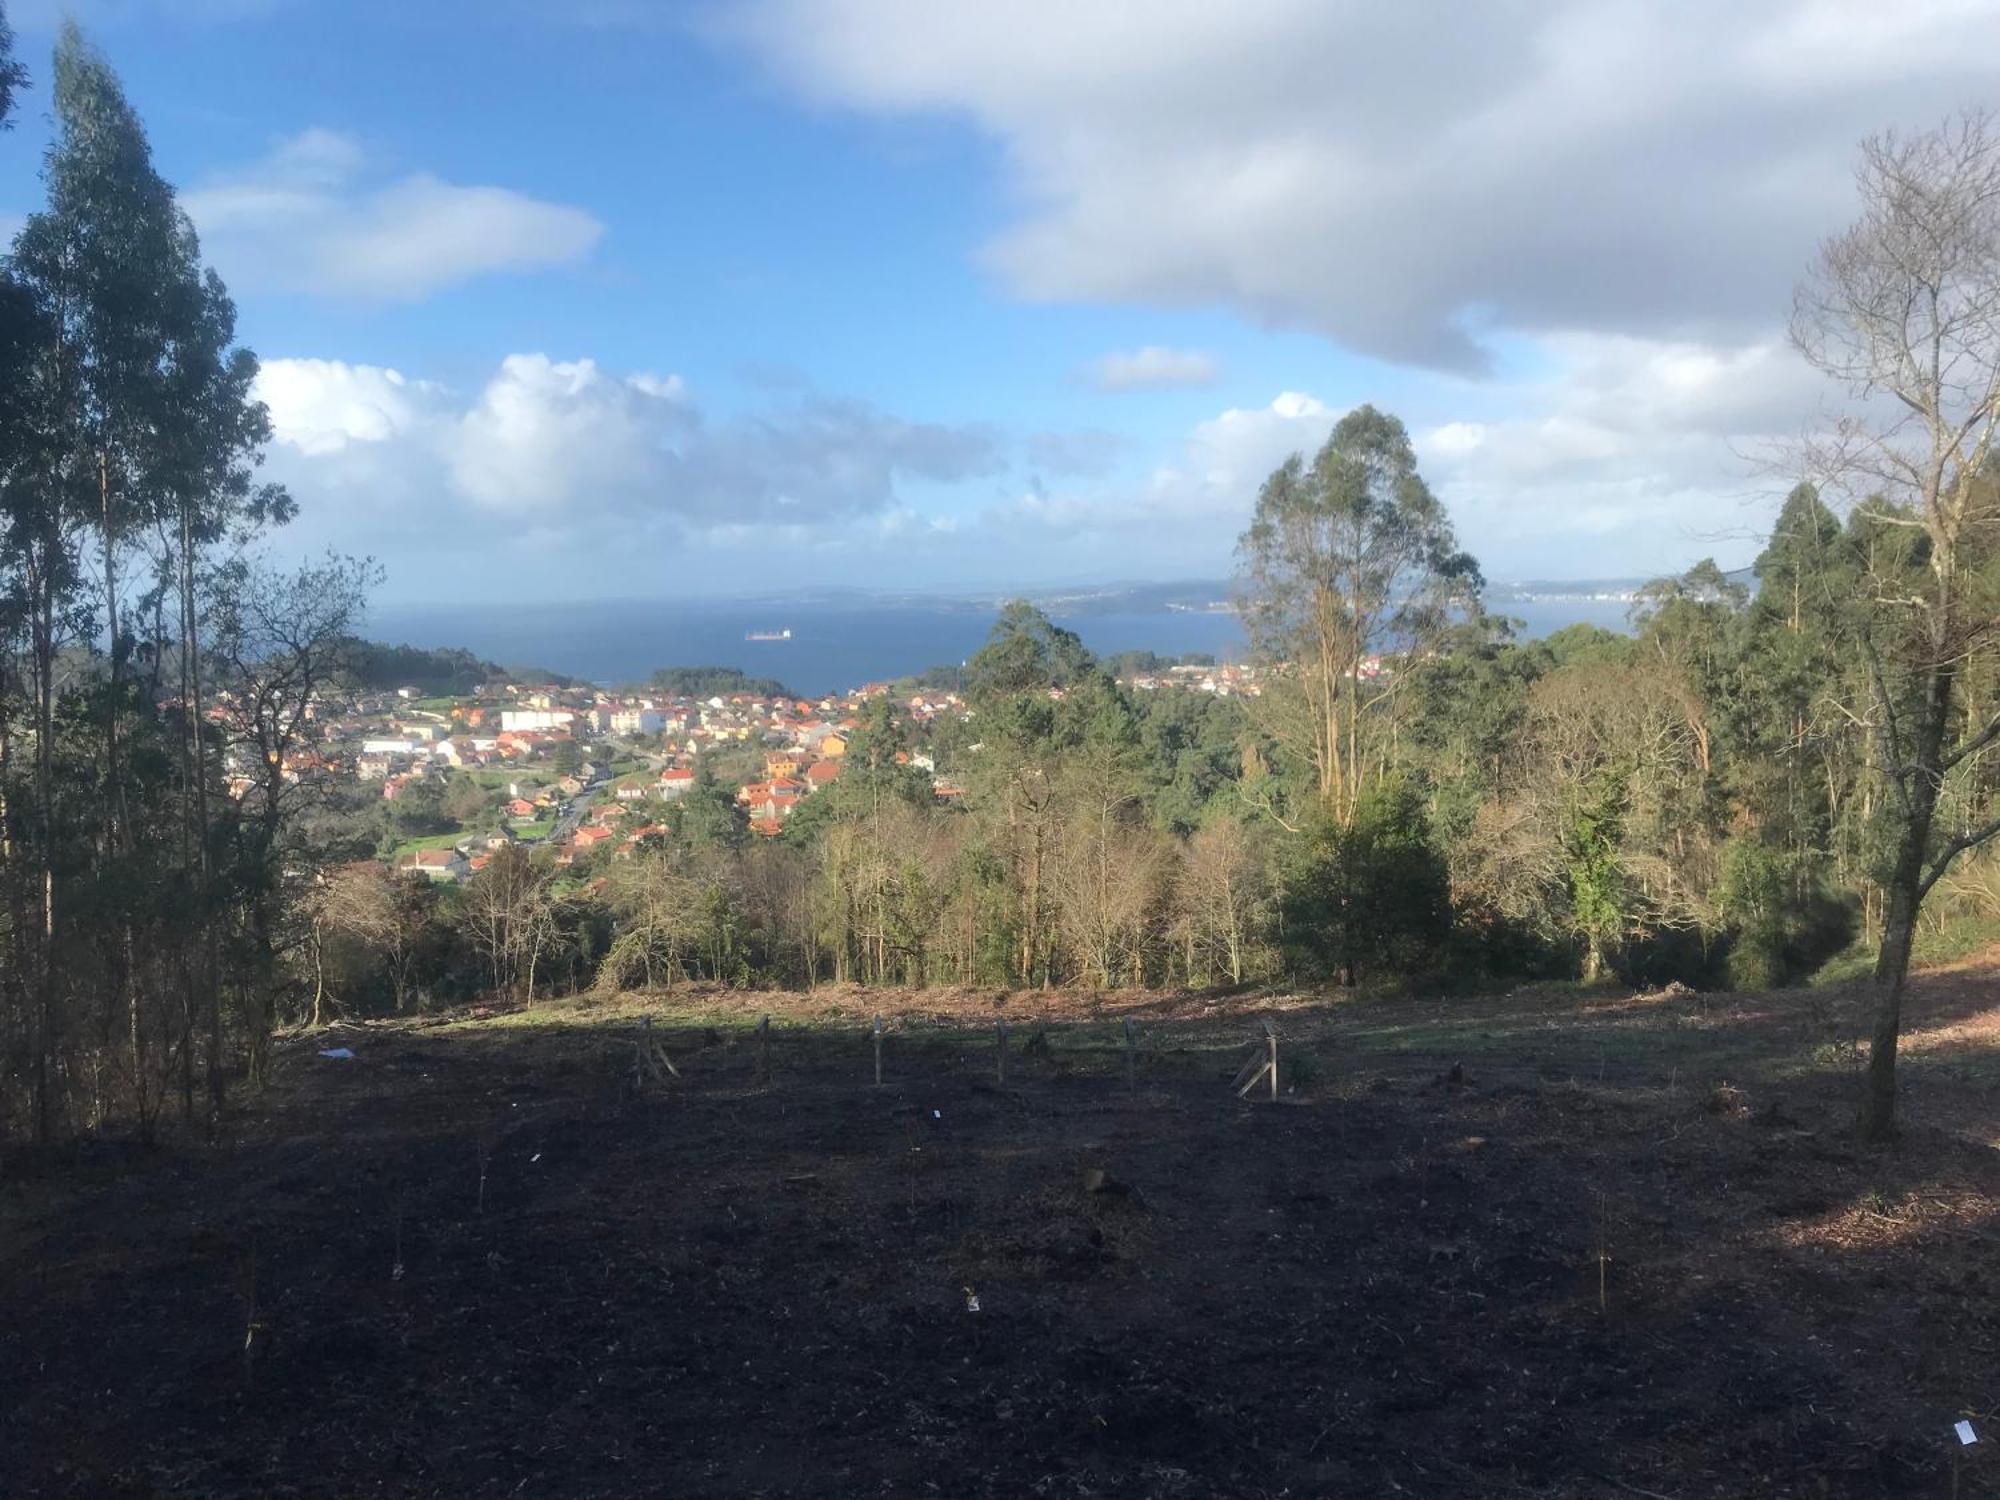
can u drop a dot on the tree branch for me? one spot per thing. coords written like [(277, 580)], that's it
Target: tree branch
[(1952, 850)]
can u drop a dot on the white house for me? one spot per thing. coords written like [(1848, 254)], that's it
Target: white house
[(637, 721), (515, 720)]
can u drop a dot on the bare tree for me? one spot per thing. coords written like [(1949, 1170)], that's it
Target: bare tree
[(1903, 310), (282, 640), (658, 910), (1108, 871), (1221, 900), (381, 910), (509, 915)]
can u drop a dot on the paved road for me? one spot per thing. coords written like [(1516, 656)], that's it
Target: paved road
[(573, 815)]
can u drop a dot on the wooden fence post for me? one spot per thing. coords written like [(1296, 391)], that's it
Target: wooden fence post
[(1131, 1059), (878, 1052), (764, 1048), (1271, 1035), (1000, 1055)]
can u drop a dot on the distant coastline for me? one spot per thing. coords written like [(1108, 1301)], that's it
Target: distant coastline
[(840, 639)]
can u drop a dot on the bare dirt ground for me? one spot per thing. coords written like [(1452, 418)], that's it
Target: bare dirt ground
[(1628, 1247)]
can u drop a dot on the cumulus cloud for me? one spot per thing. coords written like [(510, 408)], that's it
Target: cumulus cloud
[(1184, 514), (311, 216), (1629, 456), (549, 446), (1152, 368), (1623, 457), (547, 433), (1403, 177), (322, 406)]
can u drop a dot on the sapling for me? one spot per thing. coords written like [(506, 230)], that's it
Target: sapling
[(483, 1146), (246, 1288), (1603, 1257)]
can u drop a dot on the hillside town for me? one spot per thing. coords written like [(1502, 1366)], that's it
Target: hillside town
[(585, 773)]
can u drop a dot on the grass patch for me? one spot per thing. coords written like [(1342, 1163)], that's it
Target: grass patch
[(499, 777), (1958, 936), (429, 841)]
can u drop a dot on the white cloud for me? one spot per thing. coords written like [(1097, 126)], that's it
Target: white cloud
[(1625, 456), (1153, 367), (545, 434), (310, 216), (1631, 456), (567, 450), (322, 406), (1399, 177), (1187, 512)]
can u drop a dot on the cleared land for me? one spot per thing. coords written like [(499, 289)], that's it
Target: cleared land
[(1628, 1248)]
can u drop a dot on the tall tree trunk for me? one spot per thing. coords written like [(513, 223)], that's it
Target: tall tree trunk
[(45, 780), (1903, 899), (117, 803), (210, 977)]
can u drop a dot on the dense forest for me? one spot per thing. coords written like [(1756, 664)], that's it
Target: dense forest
[(1755, 779)]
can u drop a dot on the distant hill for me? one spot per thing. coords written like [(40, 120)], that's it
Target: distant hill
[(715, 682), (437, 672)]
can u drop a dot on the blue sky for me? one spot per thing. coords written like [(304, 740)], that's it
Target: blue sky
[(621, 298)]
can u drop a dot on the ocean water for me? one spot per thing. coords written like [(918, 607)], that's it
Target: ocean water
[(833, 646)]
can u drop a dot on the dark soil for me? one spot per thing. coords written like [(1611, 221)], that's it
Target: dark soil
[(1628, 1248)]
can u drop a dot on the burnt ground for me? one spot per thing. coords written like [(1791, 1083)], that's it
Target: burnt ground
[(1629, 1249)]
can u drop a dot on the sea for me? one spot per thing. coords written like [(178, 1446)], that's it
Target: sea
[(833, 645)]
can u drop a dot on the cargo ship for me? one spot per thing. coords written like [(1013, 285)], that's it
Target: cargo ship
[(768, 635)]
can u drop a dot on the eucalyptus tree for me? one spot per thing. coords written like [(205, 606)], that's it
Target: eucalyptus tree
[(1796, 762), (135, 424), (13, 75), (1345, 557), (104, 248), (1902, 309)]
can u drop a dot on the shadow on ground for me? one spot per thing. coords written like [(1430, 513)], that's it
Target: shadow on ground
[(1628, 1243)]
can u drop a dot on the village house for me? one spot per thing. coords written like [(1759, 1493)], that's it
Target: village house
[(516, 720), (675, 782), (631, 720), (650, 832), (435, 864)]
